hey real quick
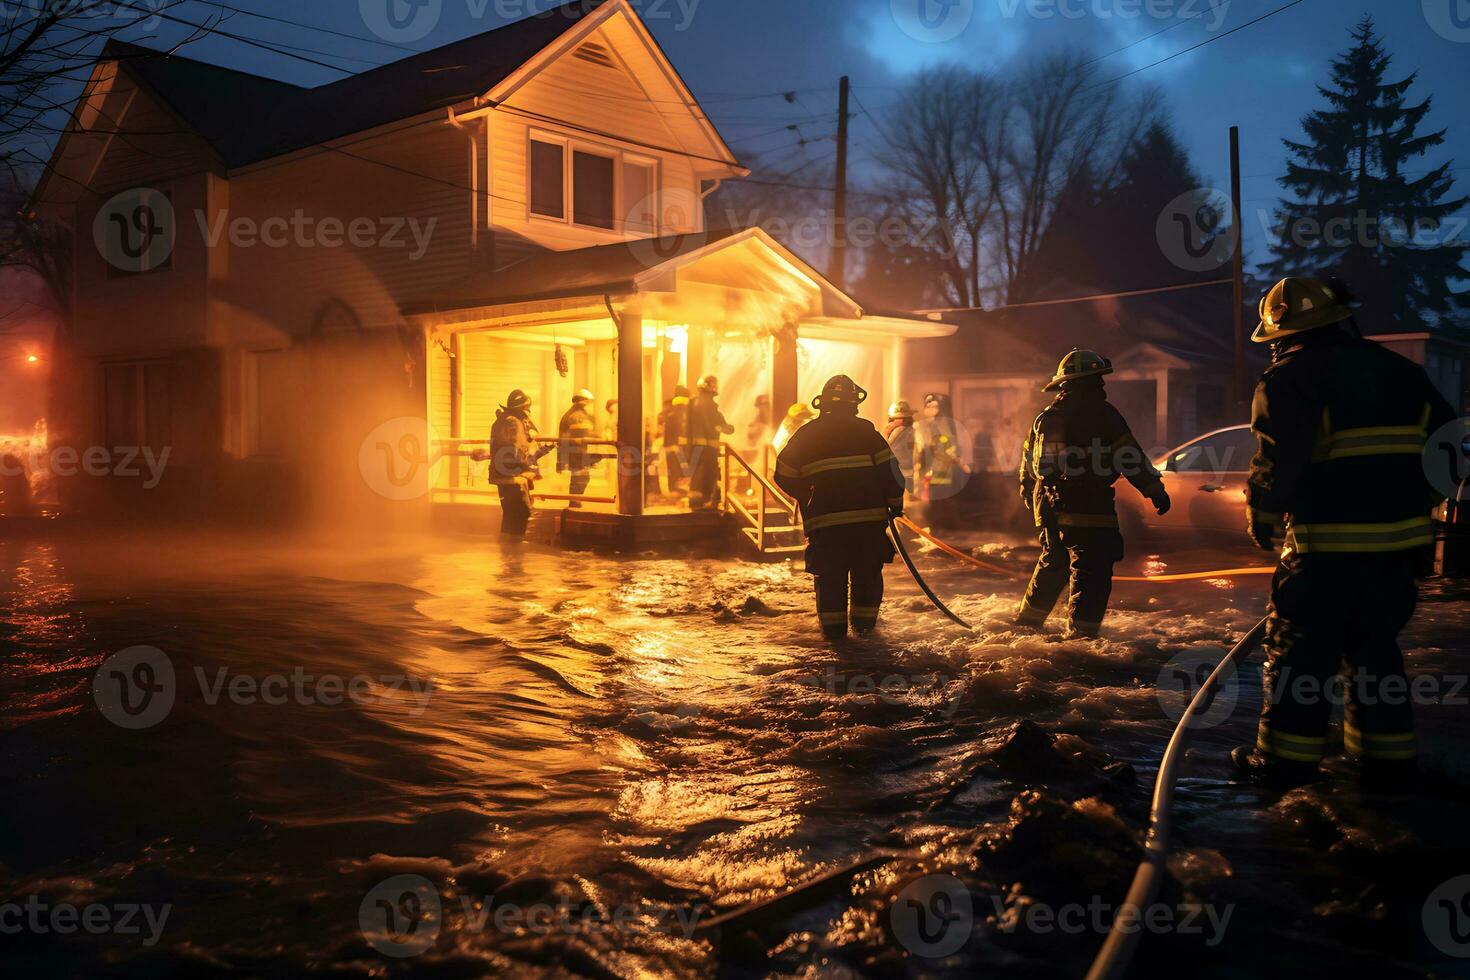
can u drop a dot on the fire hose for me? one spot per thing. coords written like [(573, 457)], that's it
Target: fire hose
[(1017, 574), (1118, 948)]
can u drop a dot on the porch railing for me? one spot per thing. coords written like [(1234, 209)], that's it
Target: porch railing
[(458, 450), (769, 501)]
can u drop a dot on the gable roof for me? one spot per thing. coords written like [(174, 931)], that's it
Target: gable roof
[(246, 118)]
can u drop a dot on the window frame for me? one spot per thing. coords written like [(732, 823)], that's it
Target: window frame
[(620, 157)]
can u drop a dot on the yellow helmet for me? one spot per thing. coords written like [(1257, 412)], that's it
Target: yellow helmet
[(1297, 304), (1079, 364)]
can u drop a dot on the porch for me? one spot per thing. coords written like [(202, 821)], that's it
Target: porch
[(631, 323)]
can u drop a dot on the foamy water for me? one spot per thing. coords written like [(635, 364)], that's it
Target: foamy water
[(642, 743)]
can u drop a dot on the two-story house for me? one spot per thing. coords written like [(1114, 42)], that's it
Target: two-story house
[(320, 295)]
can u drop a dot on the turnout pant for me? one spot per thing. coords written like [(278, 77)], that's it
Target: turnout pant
[(515, 509), (846, 563), (1084, 556), (1331, 616), (578, 484), (704, 481)]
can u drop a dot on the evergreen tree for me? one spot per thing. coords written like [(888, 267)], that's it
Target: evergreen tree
[(1355, 211), (1103, 236)]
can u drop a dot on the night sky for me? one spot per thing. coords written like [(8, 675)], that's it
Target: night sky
[(1262, 78)]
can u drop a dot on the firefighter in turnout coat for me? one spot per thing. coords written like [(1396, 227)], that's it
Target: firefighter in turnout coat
[(707, 426), (1339, 485), (513, 462), (576, 429), (841, 472), (1077, 448)]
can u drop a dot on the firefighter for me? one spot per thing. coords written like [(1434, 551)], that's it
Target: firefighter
[(1077, 448), (900, 435), (513, 461), (1338, 482), (796, 416), (942, 472), (674, 423), (576, 430), (844, 477), (706, 425)]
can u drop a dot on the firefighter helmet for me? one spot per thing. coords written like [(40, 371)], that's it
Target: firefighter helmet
[(801, 410), (840, 390), (900, 410), (1079, 364), (710, 383), (583, 395), (1298, 304), (518, 401)]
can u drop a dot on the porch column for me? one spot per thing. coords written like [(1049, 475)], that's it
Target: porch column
[(783, 373), (1161, 411), (630, 413)]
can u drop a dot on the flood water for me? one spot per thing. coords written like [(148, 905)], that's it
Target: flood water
[(610, 750)]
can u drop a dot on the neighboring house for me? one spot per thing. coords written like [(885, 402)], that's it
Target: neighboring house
[(1171, 353), (268, 275)]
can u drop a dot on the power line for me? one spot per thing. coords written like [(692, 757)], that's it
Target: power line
[(309, 27), (252, 42), (1193, 47)]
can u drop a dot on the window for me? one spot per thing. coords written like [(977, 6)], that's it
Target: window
[(1226, 452), (592, 186), (592, 189), (548, 179), (639, 206), (136, 405)]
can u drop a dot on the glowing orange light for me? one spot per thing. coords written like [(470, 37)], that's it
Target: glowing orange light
[(31, 358)]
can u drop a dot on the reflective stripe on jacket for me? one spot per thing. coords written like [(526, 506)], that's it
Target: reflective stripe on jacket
[(841, 472), (1341, 423)]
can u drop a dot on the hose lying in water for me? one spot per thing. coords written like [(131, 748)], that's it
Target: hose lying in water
[(1113, 958), (954, 552)]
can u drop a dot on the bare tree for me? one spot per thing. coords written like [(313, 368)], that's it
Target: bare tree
[(987, 158)]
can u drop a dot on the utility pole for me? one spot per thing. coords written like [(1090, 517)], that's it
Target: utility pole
[(838, 271), (1238, 268)]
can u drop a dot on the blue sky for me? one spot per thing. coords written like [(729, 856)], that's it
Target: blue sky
[(736, 53)]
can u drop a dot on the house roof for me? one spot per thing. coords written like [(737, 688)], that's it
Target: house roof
[(1193, 325), (246, 118)]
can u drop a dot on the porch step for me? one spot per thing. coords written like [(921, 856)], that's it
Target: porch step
[(772, 549)]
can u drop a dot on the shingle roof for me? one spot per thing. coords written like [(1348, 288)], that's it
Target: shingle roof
[(246, 118)]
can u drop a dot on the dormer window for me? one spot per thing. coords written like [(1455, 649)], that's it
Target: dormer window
[(605, 187)]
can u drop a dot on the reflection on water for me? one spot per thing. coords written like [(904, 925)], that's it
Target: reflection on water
[(531, 727)]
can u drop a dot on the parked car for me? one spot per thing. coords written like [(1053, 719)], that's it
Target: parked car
[(1206, 480)]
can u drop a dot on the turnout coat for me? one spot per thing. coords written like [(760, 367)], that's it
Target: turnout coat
[(845, 479)]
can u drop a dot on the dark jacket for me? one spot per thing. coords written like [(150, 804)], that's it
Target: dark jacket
[(576, 427), (841, 473), (1077, 448), (1341, 424), (706, 422), (512, 453)]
